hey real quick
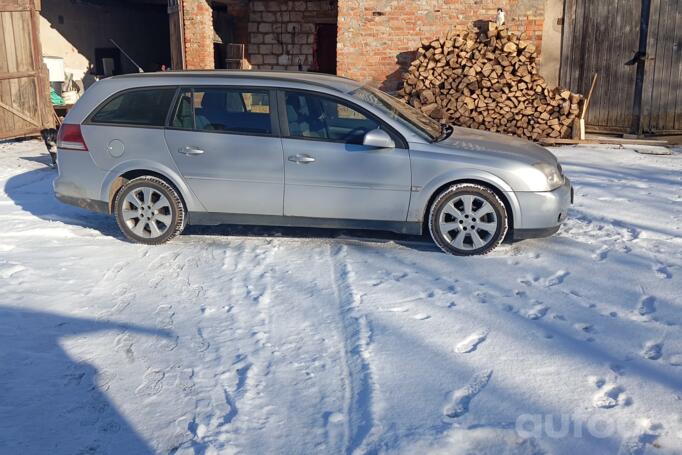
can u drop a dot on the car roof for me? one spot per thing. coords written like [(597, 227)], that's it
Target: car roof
[(328, 81)]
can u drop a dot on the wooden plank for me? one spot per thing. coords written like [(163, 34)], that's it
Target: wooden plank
[(5, 123), (579, 47), (567, 44), (588, 98), (22, 42), (42, 80), (590, 61), (677, 124), (662, 69), (617, 141), (28, 132), (20, 114), (672, 34), (15, 5), (6, 76), (5, 86), (612, 50), (650, 69), (627, 81)]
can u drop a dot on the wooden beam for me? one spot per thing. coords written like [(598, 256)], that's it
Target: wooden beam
[(16, 5), (20, 114), (617, 141), (17, 75)]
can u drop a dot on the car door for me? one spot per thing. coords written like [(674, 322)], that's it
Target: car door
[(329, 173), (225, 142)]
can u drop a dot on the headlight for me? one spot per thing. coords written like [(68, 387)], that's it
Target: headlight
[(554, 176)]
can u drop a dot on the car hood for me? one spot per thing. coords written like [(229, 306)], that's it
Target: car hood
[(475, 142)]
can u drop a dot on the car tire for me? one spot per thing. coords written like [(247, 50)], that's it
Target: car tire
[(467, 220), (148, 210)]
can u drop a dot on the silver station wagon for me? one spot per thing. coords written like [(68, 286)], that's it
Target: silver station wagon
[(161, 150)]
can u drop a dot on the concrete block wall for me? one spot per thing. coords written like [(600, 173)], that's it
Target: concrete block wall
[(282, 33), (377, 38)]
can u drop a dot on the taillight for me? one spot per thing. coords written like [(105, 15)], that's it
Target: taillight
[(70, 138)]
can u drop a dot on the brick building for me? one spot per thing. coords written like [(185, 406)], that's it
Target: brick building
[(375, 40), (369, 40)]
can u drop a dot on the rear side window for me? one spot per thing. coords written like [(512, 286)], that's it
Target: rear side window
[(145, 107), (224, 109)]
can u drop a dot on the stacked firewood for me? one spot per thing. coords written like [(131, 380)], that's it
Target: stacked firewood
[(487, 78)]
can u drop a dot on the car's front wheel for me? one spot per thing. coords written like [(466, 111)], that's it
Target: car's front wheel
[(467, 219), (149, 210)]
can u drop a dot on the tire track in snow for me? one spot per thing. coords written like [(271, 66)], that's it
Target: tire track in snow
[(358, 391)]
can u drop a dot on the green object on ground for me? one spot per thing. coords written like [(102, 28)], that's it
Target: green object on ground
[(56, 99)]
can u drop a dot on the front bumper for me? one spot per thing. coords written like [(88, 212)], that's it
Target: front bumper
[(543, 212)]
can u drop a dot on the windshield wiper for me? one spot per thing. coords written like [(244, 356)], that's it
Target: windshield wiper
[(445, 132)]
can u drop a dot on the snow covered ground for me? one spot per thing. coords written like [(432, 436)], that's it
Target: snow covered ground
[(283, 341)]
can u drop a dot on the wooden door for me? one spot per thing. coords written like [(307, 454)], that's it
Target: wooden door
[(601, 37), (25, 107)]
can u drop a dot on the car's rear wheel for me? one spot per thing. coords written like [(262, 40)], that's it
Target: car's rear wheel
[(467, 219), (148, 210)]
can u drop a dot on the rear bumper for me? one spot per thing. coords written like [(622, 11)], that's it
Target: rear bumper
[(88, 204), (79, 181), (543, 212)]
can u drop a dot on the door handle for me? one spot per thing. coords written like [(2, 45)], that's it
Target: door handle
[(301, 159), (190, 151)]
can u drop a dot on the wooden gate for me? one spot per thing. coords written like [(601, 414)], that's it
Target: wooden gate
[(25, 107), (601, 37)]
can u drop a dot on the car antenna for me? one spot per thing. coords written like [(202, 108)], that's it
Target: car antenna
[(139, 68)]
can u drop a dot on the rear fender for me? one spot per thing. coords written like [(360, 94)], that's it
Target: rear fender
[(191, 202)]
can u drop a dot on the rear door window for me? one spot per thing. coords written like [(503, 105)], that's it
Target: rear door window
[(224, 109), (143, 107)]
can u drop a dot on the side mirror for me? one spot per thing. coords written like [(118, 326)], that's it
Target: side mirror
[(378, 138)]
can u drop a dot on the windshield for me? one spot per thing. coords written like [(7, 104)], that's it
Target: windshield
[(415, 120)]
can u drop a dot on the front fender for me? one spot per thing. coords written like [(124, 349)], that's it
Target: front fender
[(192, 203), (420, 199)]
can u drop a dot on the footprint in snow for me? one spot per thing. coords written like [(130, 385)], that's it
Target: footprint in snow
[(421, 316), (164, 316), (601, 253), (652, 350), (609, 395), (152, 383), (470, 343), (528, 280), (398, 309), (584, 327), (646, 305), (538, 311), (662, 272), (556, 279), (124, 343), (636, 443), (461, 398)]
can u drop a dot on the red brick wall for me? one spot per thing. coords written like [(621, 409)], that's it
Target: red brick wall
[(377, 38), (198, 30)]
